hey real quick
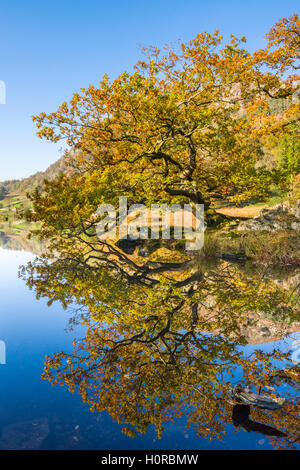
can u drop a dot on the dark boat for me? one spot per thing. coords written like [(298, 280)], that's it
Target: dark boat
[(244, 396)]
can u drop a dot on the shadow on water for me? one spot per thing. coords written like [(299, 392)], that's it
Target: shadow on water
[(240, 417)]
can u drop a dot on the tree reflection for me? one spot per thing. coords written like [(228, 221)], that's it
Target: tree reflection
[(164, 336)]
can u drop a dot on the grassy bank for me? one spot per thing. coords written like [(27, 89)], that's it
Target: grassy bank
[(262, 248)]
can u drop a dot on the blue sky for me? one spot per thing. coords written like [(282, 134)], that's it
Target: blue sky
[(48, 50)]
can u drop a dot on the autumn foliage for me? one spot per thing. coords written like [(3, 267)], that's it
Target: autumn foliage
[(188, 123), (164, 332)]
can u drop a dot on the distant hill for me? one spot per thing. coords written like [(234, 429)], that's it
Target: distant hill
[(29, 184)]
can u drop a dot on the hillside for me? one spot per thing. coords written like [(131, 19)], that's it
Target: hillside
[(13, 192), (29, 184)]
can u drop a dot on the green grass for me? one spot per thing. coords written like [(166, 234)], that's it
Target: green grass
[(10, 205)]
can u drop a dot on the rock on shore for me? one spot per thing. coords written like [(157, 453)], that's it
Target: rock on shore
[(280, 217)]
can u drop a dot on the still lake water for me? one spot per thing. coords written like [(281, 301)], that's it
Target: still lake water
[(35, 415)]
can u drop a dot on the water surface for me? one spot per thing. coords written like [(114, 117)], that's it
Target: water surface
[(35, 415)]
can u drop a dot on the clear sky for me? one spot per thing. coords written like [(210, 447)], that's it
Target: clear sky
[(48, 50)]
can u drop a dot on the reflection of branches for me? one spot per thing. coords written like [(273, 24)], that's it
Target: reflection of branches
[(162, 336), (148, 376)]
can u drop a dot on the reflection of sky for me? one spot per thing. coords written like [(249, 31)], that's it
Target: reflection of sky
[(21, 317), (284, 345), (32, 330)]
